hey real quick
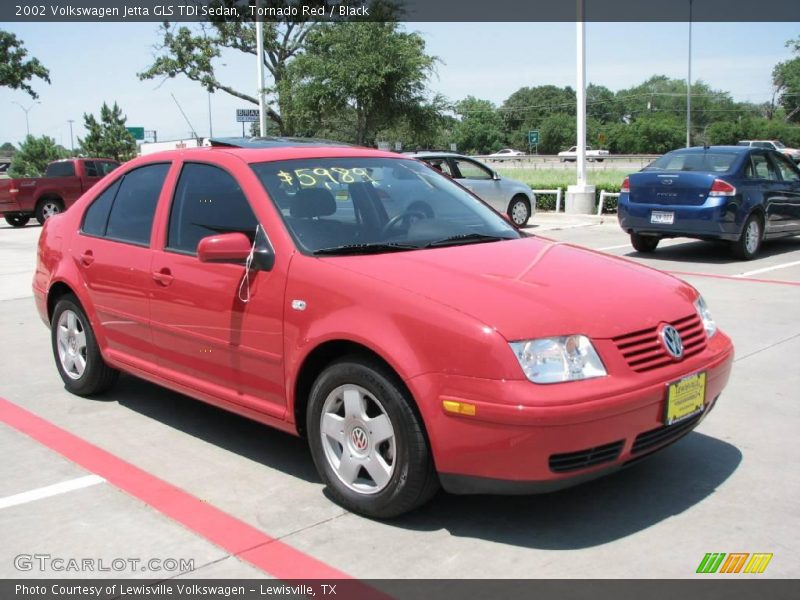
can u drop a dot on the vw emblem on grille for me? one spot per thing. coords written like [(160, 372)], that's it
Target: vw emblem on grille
[(359, 438), (671, 339)]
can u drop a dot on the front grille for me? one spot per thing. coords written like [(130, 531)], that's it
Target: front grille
[(650, 440), (643, 350), (574, 461)]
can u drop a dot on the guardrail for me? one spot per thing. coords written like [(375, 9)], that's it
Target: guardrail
[(556, 192), (603, 195)]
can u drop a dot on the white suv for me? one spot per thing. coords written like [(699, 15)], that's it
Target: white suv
[(792, 153)]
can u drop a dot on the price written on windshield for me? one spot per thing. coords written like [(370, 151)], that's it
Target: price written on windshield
[(322, 176)]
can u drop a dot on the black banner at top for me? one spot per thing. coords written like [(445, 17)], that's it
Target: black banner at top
[(403, 10)]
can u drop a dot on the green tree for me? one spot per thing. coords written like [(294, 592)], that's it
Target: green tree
[(15, 70), (786, 78), (556, 133), (372, 73), (480, 130), (8, 148), (528, 107), (33, 156), (108, 137)]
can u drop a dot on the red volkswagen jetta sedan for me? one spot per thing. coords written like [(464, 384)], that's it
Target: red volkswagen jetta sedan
[(361, 299)]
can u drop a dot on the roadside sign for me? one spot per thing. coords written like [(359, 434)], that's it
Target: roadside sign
[(247, 115), (533, 137), (136, 132), (385, 146), (453, 147), (398, 146)]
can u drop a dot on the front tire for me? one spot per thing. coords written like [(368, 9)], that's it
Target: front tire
[(644, 243), (367, 441), (17, 220), (78, 358), (49, 207), (519, 210), (749, 243)]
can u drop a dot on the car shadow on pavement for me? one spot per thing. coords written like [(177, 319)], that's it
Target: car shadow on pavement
[(226, 430), (718, 253), (632, 500)]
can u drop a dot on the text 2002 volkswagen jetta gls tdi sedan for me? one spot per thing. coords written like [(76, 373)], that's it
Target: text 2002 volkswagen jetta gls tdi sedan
[(437, 345)]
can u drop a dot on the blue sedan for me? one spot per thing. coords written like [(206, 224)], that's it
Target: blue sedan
[(743, 195)]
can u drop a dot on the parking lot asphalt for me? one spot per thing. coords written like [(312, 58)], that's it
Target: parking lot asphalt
[(150, 474)]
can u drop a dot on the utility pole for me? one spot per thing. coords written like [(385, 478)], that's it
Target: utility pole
[(71, 139), (27, 110)]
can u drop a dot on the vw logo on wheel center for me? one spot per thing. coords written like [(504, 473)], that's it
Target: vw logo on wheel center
[(358, 437), (671, 339)]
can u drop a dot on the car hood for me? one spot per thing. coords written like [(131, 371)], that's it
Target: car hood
[(533, 287)]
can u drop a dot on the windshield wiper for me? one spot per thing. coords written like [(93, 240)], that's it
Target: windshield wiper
[(466, 238), (374, 248)]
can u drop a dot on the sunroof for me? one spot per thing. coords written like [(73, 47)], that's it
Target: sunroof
[(272, 142)]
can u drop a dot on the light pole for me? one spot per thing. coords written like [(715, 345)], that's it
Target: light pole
[(689, 86), (71, 139), (27, 124)]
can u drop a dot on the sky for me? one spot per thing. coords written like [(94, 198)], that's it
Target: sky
[(91, 63)]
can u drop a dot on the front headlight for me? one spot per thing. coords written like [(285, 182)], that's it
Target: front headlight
[(557, 359), (708, 321)]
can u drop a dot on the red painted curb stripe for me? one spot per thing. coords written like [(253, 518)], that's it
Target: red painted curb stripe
[(733, 278), (228, 532)]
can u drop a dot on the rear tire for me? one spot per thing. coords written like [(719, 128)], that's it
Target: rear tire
[(367, 441), (644, 243), (519, 210), (17, 220), (749, 243), (49, 207), (78, 358)]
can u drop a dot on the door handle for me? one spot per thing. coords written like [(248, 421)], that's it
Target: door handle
[(87, 258), (163, 277)]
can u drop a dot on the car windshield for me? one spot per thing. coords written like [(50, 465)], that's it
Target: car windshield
[(364, 205), (717, 162), (779, 145)]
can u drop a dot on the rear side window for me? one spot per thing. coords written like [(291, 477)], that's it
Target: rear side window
[(96, 217), (207, 200), (60, 169), (131, 217), (104, 167)]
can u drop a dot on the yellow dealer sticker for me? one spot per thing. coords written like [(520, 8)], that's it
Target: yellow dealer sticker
[(685, 398)]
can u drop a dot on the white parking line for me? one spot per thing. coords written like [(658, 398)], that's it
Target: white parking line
[(50, 490), (767, 269), (628, 245)]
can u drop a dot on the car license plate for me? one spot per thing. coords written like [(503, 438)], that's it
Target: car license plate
[(663, 217), (685, 398)]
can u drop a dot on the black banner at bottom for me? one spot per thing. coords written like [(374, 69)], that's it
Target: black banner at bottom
[(401, 589)]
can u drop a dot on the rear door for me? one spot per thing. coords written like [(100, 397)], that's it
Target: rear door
[(65, 180), (113, 254), (761, 184), (788, 199)]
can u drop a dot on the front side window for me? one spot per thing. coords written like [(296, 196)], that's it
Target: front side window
[(370, 205), (207, 200), (131, 217), (104, 167), (91, 168), (787, 170), (470, 170)]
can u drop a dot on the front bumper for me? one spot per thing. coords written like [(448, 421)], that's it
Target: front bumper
[(522, 434), (716, 219)]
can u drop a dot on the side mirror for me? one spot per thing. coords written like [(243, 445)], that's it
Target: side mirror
[(224, 248), (495, 176)]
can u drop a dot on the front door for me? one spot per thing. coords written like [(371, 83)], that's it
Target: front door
[(217, 328)]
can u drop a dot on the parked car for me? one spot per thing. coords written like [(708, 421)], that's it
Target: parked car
[(571, 155), (506, 195), (507, 152), (42, 197), (792, 153), (741, 194), (411, 351)]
